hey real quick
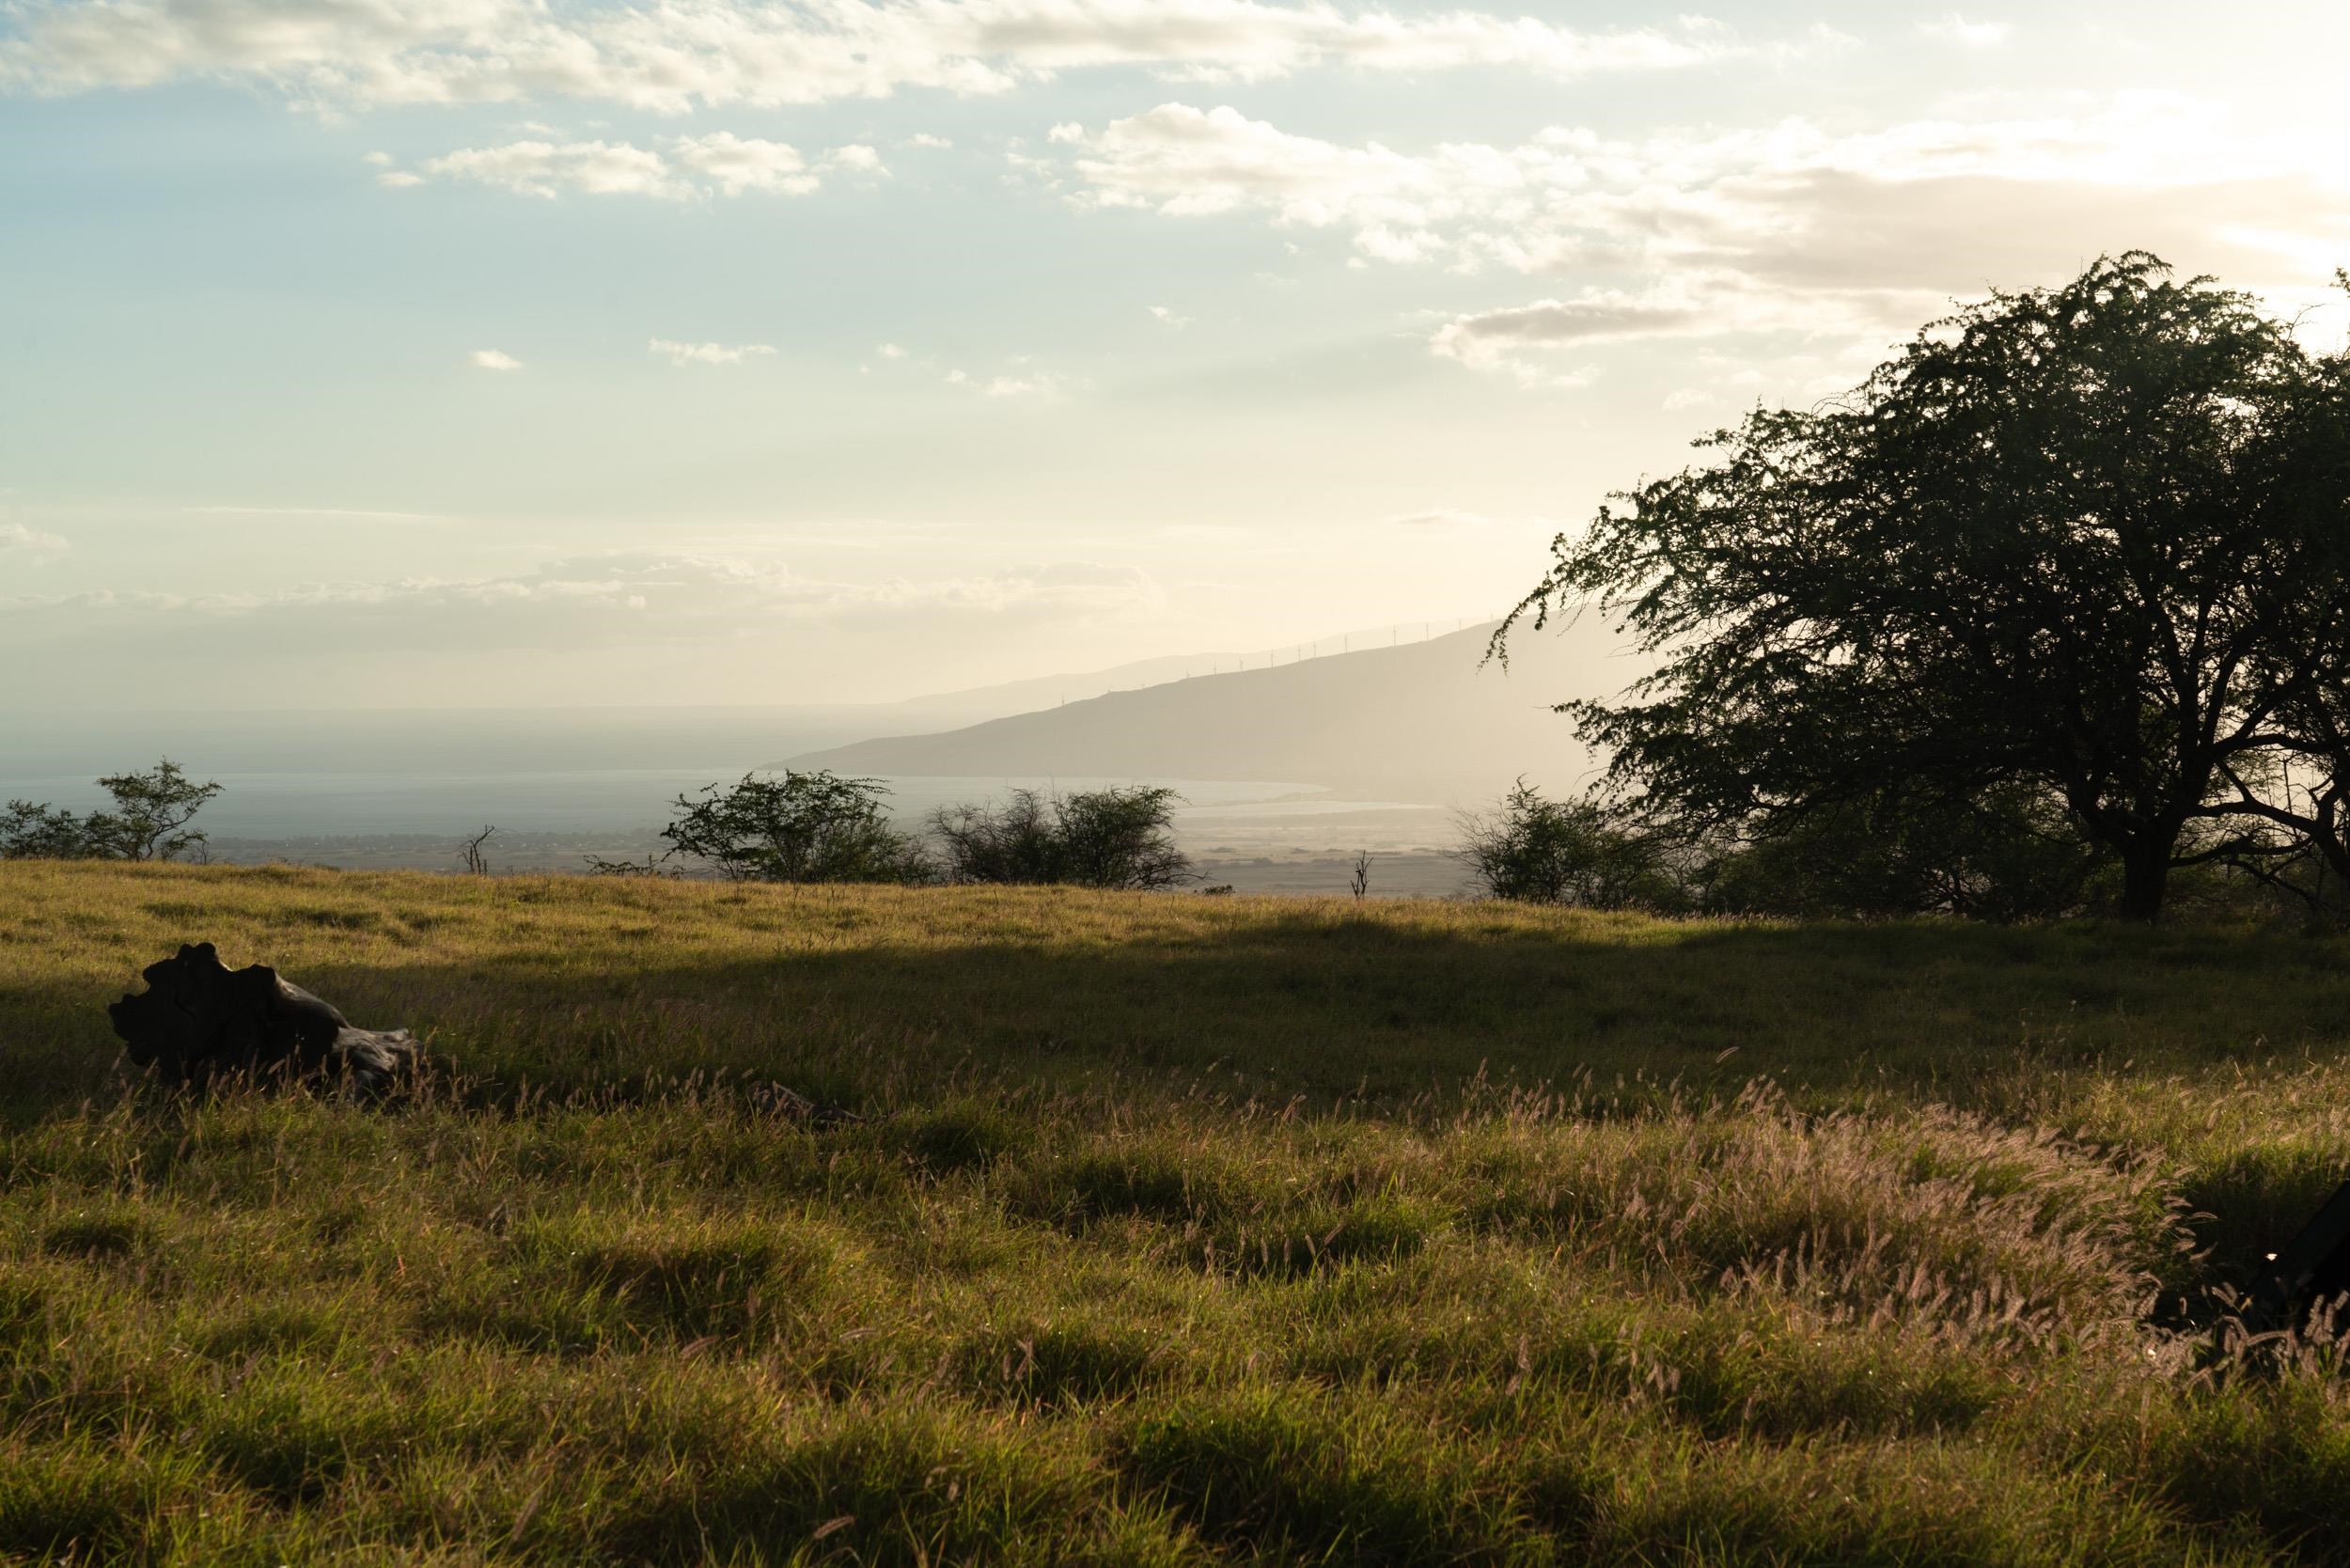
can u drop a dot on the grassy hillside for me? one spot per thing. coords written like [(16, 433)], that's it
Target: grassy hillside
[(1185, 1230)]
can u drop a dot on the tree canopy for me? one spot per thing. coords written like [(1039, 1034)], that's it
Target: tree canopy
[(150, 820), (800, 827), (2092, 540)]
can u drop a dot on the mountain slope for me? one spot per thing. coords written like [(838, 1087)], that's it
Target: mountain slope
[(1420, 722), (1050, 691)]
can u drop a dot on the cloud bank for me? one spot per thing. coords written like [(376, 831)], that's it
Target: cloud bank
[(680, 168), (1788, 228), (627, 627), (29, 546), (576, 602), (672, 56)]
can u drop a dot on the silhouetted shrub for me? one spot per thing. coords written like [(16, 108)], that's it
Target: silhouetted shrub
[(1578, 852), (1120, 836), (802, 827)]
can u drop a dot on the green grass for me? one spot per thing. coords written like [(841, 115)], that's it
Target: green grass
[(1183, 1229)]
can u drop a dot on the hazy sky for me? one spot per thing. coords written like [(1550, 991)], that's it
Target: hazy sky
[(419, 352)]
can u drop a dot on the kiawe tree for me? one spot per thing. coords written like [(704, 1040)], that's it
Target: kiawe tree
[(150, 820), (152, 813), (2092, 540), (800, 827)]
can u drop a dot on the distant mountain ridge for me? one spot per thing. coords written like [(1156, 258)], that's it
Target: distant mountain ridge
[(1051, 691), (1424, 721)]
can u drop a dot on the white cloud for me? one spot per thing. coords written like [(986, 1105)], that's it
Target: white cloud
[(891, 350), (1954, 28), (1592, 317), (547, 169), (678, 168), (924, 139), (1187, 162), (1017, 383), (707, 354), (377, 160), (740, 163), (31, 543), (493, 359), (1020, 386), (671, 55), (1788, 228), (1167, 316)]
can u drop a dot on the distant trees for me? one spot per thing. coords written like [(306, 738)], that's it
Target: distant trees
[(800, 827), (150, 820), (1115, 838), (821, 828), (2079, 553)]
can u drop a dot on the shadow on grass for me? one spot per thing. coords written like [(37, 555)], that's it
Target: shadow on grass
[(1320, 1004), (1384, 1013)]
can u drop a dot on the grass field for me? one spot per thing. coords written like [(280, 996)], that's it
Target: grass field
[(1180, 1229)]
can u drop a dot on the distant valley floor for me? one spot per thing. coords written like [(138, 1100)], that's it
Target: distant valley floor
[(1303, 846)]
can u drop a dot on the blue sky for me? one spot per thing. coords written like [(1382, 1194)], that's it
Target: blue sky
[(478, 350)]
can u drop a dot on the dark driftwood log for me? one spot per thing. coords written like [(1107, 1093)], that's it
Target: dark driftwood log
[(198, 1019)]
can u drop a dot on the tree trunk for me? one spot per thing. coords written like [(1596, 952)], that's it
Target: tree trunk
[(2145, 872)]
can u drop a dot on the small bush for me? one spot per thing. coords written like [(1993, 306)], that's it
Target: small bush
[(1118, 838), (1537, 851)]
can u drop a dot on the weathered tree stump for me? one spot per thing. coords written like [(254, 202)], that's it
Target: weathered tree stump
[(201, 1020)]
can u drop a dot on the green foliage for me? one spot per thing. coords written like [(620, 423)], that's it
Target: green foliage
[(150, 820), (802, 827), (2008, 854), (31, 831), (2011, 853), (1580, 852), (2091, 543), (1114, 838)]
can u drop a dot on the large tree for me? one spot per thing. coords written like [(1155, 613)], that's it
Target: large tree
[(2092, 539)]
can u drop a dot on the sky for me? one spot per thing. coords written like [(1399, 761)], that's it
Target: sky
[(431, 353)]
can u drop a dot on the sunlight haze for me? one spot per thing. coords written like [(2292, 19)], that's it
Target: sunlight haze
[(480, 353)]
